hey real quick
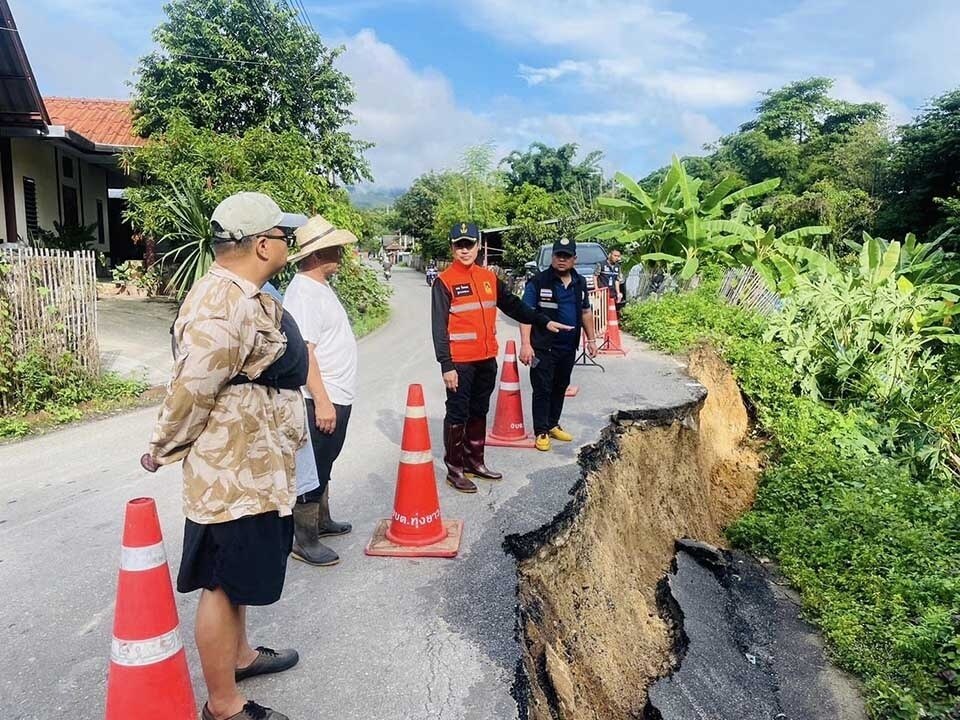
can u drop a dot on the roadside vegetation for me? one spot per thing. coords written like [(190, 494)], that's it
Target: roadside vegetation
[(851, 377)]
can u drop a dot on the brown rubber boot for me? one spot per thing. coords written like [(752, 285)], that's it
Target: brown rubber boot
[(453, 456), (325, 526), (473, 446), (306, 547)]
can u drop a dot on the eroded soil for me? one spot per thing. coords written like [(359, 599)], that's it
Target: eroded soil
[(593, 634)]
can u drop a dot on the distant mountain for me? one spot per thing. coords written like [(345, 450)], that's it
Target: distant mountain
[(371, 196)]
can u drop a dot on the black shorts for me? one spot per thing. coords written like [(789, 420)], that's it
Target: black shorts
[(247, 557)]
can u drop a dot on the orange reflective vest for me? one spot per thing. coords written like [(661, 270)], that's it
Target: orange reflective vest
[(472, 324)]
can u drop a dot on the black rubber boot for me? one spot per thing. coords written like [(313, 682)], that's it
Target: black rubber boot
[(306, 547), (453, 436), (325, 526)]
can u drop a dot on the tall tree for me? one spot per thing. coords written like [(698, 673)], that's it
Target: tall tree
[(794, 133), (415, 209), (553, 169), (926, 166), (231, 65)]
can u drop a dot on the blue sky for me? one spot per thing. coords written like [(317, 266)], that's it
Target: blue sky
[(638, 79)]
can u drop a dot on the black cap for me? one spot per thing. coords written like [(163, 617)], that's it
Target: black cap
[(464, 231), (564, 245)]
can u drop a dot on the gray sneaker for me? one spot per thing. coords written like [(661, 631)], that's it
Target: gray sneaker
[(251, 711), (268, 661)]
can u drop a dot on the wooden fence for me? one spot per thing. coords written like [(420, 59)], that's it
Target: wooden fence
[(53, 303), (745, 288)]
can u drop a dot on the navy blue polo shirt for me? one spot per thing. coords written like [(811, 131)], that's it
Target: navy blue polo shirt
[(569, 307)]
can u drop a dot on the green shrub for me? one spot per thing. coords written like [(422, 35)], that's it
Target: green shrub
[(57, 390), (871, 540)]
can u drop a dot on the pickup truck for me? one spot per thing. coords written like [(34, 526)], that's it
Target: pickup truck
[(589, 255)]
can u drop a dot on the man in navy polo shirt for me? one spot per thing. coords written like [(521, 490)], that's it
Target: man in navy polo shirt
[(560, 293)]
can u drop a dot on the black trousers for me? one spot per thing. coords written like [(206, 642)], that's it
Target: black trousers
[(472, 397), (550, 379), (326, 448)]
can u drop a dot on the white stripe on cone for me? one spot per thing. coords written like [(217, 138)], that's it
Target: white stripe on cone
[(415, 457), (137, 653), (509, 358), (136, 559), (509, 386), (416, 411)]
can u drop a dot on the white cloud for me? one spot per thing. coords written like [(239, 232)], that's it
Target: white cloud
[(411, 115), (849, 89), (697, 131), (611, 27), (50, 40)]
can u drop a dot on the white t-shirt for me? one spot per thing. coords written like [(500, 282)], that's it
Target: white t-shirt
[(324, 323)]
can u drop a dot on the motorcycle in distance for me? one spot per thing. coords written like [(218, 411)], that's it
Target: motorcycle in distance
[(387, 266), (431, 273)]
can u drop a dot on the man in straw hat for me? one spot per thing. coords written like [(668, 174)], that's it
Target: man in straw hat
[(234, 414), (465, 302), (331, 382)]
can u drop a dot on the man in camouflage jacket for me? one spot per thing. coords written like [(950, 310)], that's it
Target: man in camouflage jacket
[(236, 423)]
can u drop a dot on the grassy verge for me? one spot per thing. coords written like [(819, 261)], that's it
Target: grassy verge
[(370, 321), (85, 399), (873, 547)]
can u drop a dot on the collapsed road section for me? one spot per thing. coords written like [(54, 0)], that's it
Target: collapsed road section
[(598, 620)]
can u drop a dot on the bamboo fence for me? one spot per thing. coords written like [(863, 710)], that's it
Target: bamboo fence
[(745, 288), (53, 303)]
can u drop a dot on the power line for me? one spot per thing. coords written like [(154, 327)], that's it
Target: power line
[(224, 59), (265, 24)]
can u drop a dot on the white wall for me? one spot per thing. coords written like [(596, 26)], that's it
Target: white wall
[(35, 159), (40, 160)]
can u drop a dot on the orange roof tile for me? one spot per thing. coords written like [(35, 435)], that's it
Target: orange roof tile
[(105, 122)]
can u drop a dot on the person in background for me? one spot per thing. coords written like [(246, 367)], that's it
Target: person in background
[(610, 277), (560, 293), (331, 385), (464, 319), (234, 415)]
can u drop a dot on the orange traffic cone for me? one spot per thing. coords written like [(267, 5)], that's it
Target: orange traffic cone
[(612, 344), (508, 429), (416, 529), (148, 677)]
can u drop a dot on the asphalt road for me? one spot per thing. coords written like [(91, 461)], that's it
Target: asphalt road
[(379, 638)]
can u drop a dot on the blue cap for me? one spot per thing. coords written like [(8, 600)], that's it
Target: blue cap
[(565, 245), (464, 231)]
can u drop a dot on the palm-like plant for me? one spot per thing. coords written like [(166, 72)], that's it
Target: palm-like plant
[(191, 240), (672, 226)]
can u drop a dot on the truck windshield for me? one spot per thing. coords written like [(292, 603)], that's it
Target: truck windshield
[(586, 255)]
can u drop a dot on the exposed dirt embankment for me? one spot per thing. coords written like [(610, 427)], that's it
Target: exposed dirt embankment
[(593, 634)]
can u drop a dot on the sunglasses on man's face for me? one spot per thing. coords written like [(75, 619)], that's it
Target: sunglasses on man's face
[(562, 256), (289, 236), (463, 245)]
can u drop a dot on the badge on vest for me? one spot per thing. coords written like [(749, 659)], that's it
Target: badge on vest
[(462, 290), (546, 293), (487, 287)]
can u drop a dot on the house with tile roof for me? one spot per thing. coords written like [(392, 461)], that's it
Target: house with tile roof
[(59, 157)]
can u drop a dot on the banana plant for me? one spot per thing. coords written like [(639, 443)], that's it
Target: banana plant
[(777, 259), (671, 225)]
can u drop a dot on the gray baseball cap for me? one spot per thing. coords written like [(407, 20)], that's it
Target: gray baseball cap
[(249, 213)]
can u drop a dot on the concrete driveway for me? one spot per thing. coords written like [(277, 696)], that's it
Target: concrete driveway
[(134, 336), (378, 637)]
